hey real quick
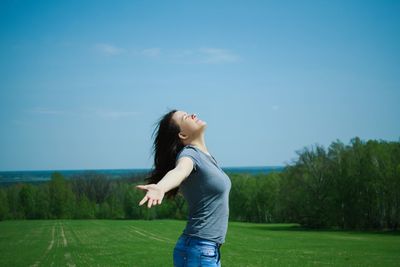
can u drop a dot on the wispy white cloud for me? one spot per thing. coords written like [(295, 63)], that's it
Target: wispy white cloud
[(151, 52), (205, 55), (113, 114), (108, 49), (85, 113), (186, 52), (216, 55), (47, 111)]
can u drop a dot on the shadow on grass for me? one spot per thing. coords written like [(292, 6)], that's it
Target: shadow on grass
[(299, 228)]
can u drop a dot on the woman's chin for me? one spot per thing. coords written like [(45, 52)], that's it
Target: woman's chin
[(203, 124)]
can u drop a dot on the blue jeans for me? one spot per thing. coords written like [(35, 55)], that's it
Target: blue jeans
[(193, 251)]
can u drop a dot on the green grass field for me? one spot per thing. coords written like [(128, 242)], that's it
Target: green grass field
[(150, 243)]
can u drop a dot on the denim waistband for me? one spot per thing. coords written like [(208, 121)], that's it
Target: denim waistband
[(188, 238)]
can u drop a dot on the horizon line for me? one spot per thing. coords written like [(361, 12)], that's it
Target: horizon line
[(99, 169)]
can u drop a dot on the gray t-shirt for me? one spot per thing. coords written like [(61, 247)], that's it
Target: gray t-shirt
[(206, 190)]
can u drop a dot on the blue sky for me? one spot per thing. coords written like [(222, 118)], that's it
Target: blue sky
[(83, 82)]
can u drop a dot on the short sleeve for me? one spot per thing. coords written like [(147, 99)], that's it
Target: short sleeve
[(190, 152)]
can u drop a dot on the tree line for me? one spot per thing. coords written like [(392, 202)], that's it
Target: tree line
[(355, 186)]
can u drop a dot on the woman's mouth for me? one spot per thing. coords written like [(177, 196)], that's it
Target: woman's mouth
[(196, 120)]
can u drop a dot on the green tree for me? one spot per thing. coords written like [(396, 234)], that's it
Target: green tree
[(61, 197), (3, 205), (85, 209), (13, 202), (26, 201), (131, 208), (115, 201), (42, 202)]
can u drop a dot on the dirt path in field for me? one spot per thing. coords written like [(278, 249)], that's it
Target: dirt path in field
[(151, 235), (61, 242), (67, 255), (76, 239), (63, 236), (51, 244)]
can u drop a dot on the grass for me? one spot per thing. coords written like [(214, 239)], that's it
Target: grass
[(150, 243)]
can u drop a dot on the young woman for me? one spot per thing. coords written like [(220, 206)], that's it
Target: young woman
[(182, 162)]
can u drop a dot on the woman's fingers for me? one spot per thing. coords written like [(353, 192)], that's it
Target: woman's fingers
[(151, 196), (149, 203), (152, 202), (143, 200), (142, 187)]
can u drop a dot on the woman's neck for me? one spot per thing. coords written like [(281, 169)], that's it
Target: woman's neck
[(200, 144), (202, 148)]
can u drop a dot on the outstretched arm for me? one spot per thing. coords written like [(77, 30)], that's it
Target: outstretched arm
[(173, 178)]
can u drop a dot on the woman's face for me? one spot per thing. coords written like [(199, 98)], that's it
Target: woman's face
[(191, 126)]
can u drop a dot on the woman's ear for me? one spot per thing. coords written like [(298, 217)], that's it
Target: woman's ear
[(182, 136)]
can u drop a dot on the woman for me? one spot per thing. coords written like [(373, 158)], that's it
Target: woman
[(182, 162)]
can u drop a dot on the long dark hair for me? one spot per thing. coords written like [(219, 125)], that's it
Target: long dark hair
[(166, 147)]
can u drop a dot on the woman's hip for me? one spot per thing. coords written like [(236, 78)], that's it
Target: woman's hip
[(196, 251)]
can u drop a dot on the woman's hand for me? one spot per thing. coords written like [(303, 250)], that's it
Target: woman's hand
[(154, 194)]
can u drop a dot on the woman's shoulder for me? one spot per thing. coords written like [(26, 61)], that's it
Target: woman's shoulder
[(188, 149), (191, 152)]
